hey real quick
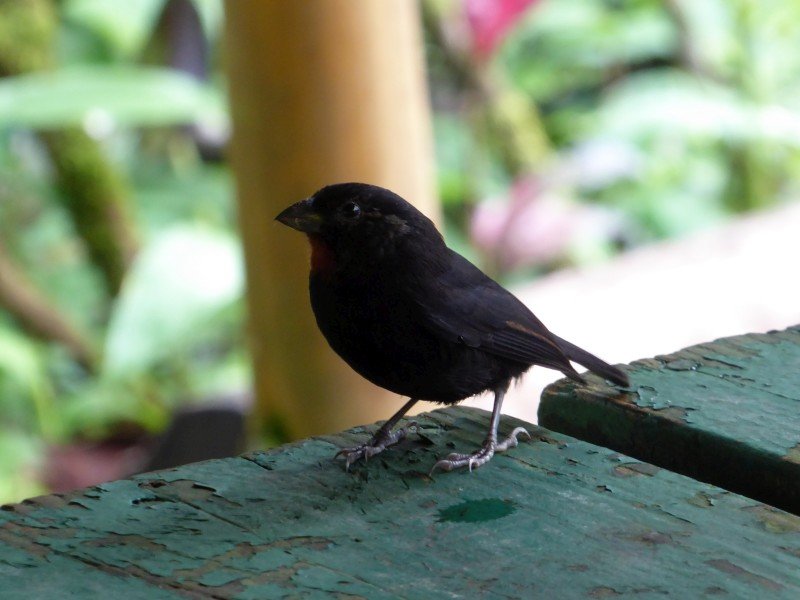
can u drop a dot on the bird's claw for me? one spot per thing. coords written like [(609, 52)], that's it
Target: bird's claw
[(379, 442), (480, 457), (511, 441)]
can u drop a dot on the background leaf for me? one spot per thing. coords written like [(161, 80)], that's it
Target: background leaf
[(185, 276), (126, 27), (102, 97)]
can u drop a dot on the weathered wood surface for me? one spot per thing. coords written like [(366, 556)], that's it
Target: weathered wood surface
[(726, 412), (553, 517)]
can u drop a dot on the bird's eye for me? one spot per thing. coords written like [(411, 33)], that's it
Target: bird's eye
[(350, 210)]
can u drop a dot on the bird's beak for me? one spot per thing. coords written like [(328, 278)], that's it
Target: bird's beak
[(301, 216)]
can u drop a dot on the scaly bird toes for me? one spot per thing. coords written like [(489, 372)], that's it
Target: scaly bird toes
[(511, 441), (482, 456), (473, 461), (379, 442)]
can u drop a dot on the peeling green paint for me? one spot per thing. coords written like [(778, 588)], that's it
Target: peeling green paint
[(793, 455), (702, 500), (647, 397), (629, 469), (774, 520), (738, 572), (726, 412), (551, 517)]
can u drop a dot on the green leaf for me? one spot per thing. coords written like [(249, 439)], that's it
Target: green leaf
[(179, 282), (20, 457), (126, 27), (211, 15), (19, 361), (454, 144), (576, 44), (99, 98), (673, 105), (94, 409), (24, 383)]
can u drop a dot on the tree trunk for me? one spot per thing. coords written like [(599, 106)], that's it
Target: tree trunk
[(322, 91)]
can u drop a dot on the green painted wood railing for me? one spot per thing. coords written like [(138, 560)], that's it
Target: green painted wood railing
[(726, 412), (552, 518)]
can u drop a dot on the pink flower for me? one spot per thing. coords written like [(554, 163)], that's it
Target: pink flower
[(490, 20), (537, 225)]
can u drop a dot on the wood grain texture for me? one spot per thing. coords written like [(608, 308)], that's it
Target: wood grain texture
[(726, 412), (553, 517)]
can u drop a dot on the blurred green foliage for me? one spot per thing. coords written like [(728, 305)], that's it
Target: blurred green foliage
[(174, 333), (675, 114), (699, 99), (131, 96)]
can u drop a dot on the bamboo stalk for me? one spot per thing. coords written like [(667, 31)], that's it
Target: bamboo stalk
[(321, 92)]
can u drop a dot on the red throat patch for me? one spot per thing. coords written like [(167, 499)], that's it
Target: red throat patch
[(322, 259)]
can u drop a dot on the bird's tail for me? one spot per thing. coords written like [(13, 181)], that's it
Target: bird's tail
[(591, 362)]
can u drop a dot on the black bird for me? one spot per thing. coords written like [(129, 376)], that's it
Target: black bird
[(415, 317)]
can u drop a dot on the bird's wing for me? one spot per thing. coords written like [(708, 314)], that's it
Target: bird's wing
[(465, 306)]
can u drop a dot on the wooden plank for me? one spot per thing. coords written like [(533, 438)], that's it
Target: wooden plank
[(553, 516), (726, 412)]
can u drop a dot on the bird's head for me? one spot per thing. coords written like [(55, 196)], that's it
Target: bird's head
[(357, 222)]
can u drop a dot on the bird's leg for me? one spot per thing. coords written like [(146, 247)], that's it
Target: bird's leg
[(490, 445), (382, 439)]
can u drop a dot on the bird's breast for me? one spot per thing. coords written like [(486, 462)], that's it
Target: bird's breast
[(378, 331), (360, 318), (322, 258)]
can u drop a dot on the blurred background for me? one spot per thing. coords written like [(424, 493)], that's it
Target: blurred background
[(630, 168)]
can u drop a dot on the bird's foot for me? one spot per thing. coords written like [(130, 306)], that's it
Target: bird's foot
[(377, 444), (482, 456)]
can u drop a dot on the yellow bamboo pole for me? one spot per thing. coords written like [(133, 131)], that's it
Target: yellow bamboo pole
[(322, 91)]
